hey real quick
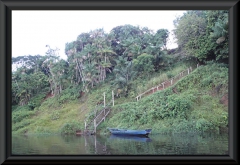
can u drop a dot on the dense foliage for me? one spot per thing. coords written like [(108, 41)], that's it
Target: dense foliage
[(91, 58), (204, 34)]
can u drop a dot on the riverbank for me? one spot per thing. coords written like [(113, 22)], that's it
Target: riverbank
[(196, 103)]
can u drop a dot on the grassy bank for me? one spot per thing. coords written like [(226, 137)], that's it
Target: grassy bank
[(196, 103)]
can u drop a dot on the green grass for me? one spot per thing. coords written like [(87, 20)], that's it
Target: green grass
[(47, 120), (147, 82)]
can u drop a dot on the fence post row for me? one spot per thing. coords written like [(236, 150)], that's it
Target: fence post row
[(95, 124), (176, 77)]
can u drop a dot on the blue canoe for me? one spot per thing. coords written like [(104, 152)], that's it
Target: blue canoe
[(116, 131)]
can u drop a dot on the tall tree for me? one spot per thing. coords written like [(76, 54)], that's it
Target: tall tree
[(203, 34), (124, 73)]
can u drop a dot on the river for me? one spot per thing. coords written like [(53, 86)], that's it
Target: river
[(174, 144)]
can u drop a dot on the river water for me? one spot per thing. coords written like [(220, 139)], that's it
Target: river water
[(174, 144)]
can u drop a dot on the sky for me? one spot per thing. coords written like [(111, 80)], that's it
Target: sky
[(33, 30)]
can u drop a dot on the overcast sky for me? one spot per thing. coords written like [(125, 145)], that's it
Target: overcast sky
[(33, 30)]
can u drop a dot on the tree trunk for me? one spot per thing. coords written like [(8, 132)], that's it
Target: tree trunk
[(80, 72), (60, 88)]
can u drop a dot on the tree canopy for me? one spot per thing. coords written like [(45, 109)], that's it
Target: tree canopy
[(203, 34), (121, 55)]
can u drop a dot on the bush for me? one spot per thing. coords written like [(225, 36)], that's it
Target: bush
[(206, 82), (70, 128), (182, 125), (18, 116), (203, 125), (36, 101), (21, 124), (70, 93)]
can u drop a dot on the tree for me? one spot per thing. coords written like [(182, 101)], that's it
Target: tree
[(29, 79), (218, 24), (124, 73), (190, 31), (91, 74), (203, 34), (144, 63)]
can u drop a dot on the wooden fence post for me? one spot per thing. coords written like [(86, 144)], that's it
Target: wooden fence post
[(94, 125), (104, 99), (188, 70), (104, 115), (171, 81), (95, 142), (113, 98), (85, 141)]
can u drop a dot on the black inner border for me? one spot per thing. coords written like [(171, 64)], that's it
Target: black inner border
[(6, 6)]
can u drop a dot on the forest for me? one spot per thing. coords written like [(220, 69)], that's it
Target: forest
[(52, 95)]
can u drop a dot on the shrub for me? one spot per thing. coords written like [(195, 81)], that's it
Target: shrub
[(55, 115), (18, 116), (70, 93), (203, 125), (21, 124), (36, 101), (70, 128)]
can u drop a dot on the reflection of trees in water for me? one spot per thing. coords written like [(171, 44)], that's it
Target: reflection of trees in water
[(180, 144), (213, 144), (95, 145), (127, 146), (48, 145), (176, 144)]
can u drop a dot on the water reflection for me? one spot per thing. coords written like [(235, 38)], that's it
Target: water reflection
[(176, 144), (133, 138)]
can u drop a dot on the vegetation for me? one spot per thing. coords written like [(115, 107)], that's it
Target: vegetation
[(51, 95), (207, 36), (195, 107)]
